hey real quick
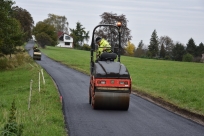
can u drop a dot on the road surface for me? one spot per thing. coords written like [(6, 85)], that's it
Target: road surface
[(142, 119)]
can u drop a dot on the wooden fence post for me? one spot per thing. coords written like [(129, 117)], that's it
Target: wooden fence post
[(29, 99)]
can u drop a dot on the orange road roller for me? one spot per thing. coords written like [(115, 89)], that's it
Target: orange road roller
[(110, 81)]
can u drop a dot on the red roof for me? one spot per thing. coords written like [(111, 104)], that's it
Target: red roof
[(59, 34)]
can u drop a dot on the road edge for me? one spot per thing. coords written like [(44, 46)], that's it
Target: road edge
[(198, 118)]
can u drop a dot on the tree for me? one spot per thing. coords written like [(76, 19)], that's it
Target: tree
[(162, 51), (139, 52), (43, 39), (59, 22), (110, 33), (199, 50), (168, 45), (5, 13), (26, 21), (178, 52), (130, 49), (10, 33), (191, 47), (187, 57), (154, 45), (45, 34), (79, 35)]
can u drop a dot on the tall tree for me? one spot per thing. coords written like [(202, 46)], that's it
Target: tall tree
[(79, 35), (178, 52), (162, 51), (168, 44), (141, 44), (45, 34), (26, 21), (10, 31), (154, 45), (5, 14), (139, 52), (199, 50), (191, 47), (130, 49), (110, 33), (59, 22)]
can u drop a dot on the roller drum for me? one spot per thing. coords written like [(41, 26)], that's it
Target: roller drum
[(111, 100)]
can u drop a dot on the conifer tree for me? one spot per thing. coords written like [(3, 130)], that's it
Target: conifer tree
[(162, 51), (191, 47), (154, 45)]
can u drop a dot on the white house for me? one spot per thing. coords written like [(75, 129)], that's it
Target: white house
[(65, 40), (33, 38)]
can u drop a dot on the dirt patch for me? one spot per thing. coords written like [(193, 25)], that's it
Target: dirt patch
[(171, 107)]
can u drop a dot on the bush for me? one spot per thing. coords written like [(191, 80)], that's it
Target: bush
[(15, 60), (86, 47), (187, 57), (167, 58), (3, 63)]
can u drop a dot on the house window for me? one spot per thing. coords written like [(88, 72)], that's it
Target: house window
[(67, 37), (67, 43)]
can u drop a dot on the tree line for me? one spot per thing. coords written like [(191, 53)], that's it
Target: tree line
[(44, 31), (17, 27), (165, 48)]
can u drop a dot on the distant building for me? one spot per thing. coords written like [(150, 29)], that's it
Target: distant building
[(64, 40), (202, 59), (33, 38)]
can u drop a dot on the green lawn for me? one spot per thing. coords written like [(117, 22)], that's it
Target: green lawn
[(180, 83), (45, 117)]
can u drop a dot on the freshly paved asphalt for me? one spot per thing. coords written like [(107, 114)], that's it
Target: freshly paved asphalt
[(142, 119)]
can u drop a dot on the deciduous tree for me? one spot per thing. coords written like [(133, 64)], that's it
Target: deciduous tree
[(60, 23), (26, 21), (10, 31), (130, 49), (45, 34), (110, 33), (168, 45)]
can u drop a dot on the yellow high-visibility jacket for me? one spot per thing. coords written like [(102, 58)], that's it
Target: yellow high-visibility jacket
[(103, 43)]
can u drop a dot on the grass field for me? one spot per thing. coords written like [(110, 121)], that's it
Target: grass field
[(180, 83), (45, 117)]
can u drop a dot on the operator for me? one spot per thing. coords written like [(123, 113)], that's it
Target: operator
[(102, 43)]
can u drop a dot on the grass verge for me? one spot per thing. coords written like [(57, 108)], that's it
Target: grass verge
[(45, 115)]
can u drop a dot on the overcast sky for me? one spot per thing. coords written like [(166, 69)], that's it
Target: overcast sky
[(178, 19)]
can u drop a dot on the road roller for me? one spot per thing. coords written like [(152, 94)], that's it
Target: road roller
[(36, 53), (110, 81)]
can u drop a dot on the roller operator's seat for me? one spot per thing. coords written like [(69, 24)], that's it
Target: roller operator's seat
[(108, 56)]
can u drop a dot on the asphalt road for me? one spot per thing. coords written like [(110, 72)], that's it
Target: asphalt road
[(142, 119)]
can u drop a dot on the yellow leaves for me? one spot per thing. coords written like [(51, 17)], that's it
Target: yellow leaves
[(130, 49)]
